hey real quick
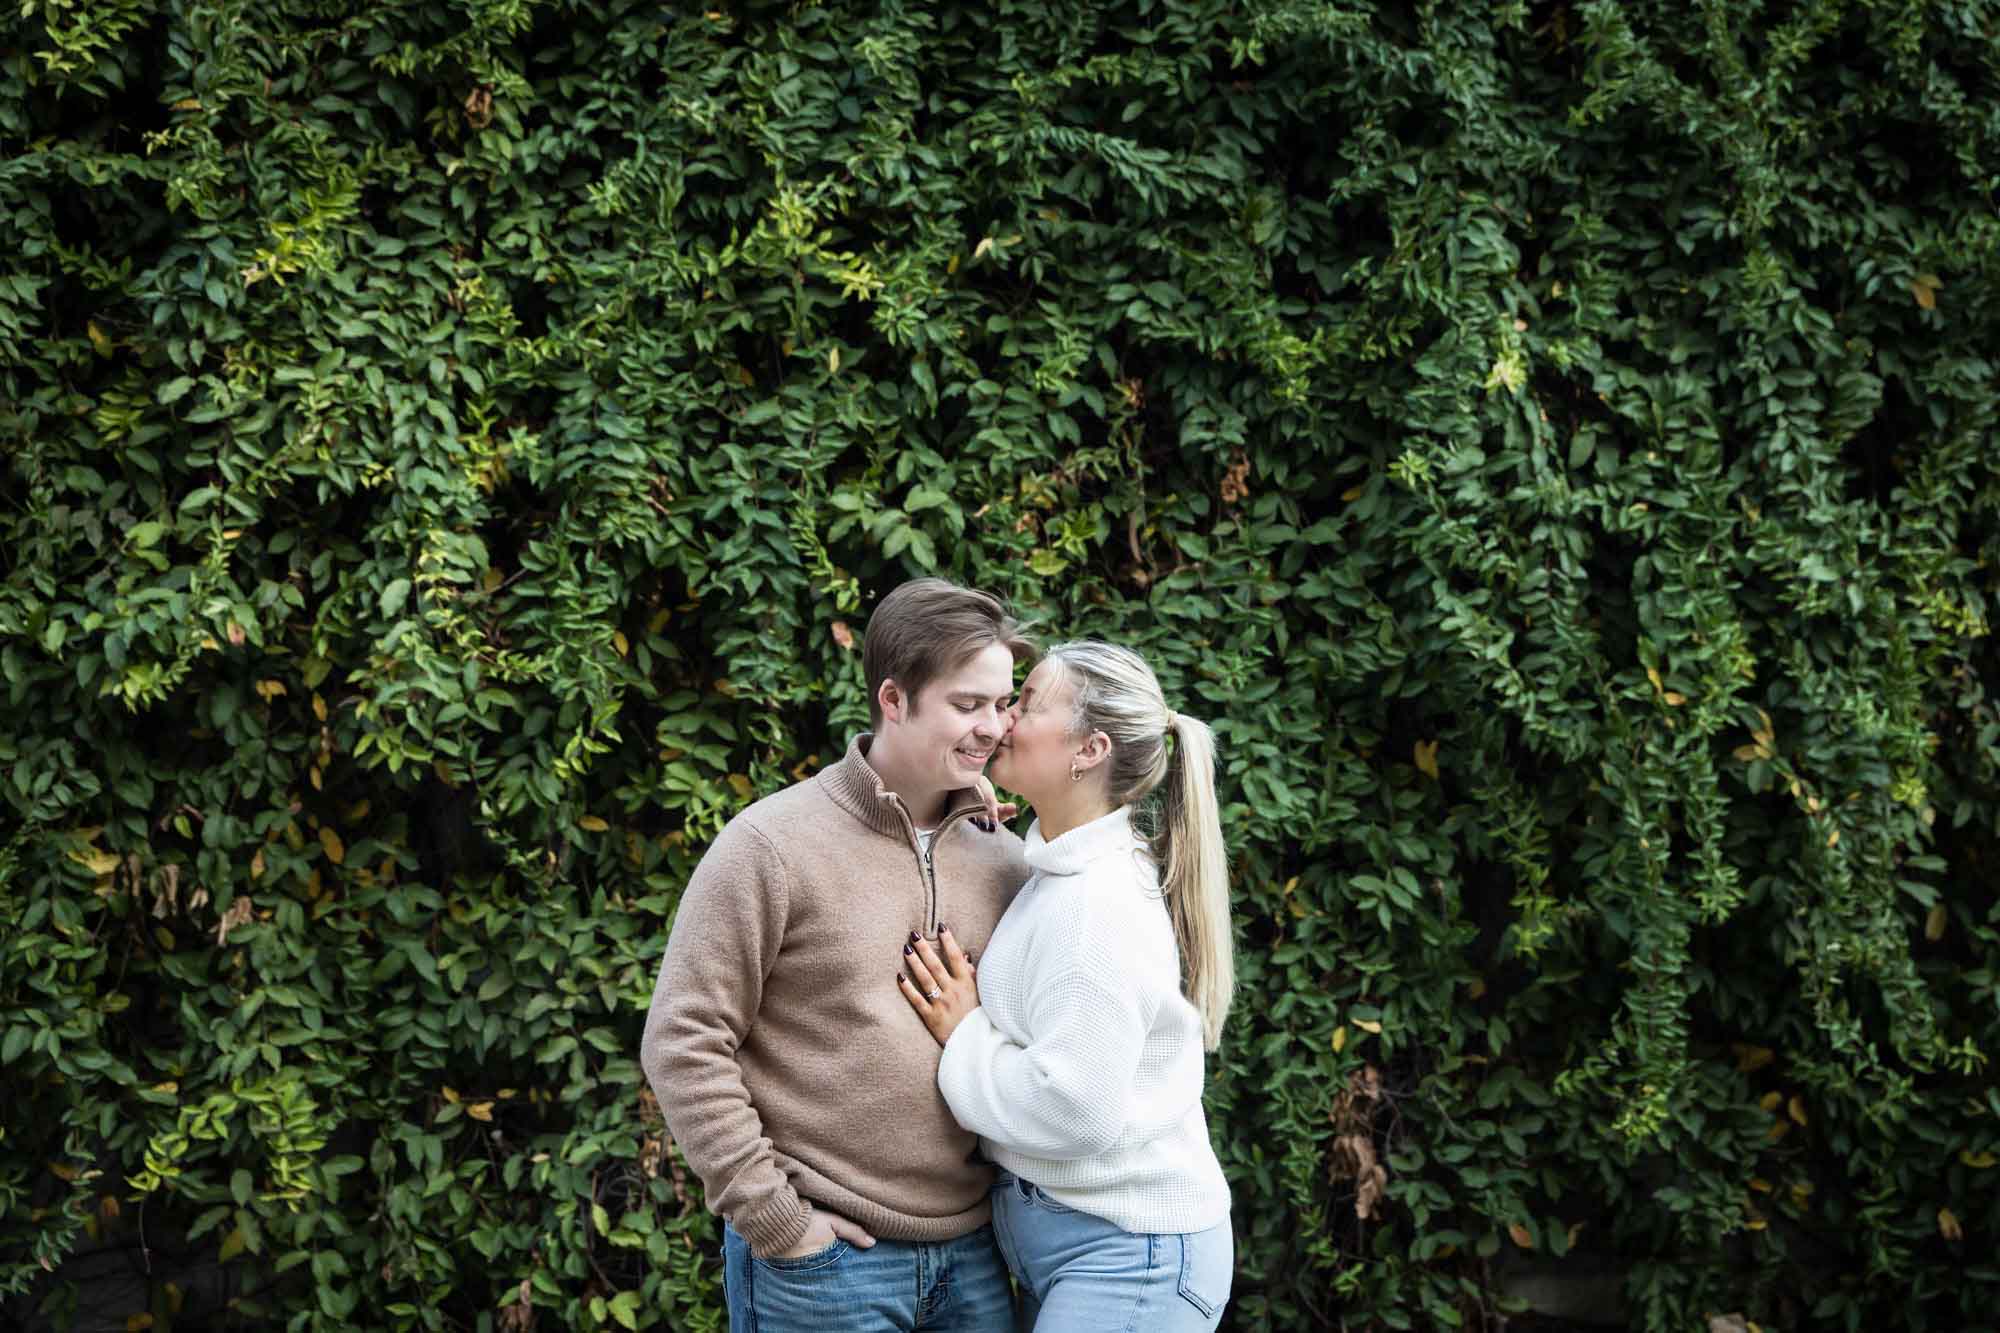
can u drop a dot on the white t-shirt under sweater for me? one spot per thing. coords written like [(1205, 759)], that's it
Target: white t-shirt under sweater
[(1081, 1070)]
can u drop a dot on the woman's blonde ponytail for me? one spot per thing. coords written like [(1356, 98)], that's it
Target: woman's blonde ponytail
[(1195, 874)]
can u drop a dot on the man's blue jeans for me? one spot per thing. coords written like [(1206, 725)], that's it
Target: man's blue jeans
[(953, 1286)]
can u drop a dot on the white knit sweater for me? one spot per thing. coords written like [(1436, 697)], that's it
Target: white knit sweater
[(1081, 1070)]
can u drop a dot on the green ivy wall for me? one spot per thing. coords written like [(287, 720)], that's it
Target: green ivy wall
[(451, 449)]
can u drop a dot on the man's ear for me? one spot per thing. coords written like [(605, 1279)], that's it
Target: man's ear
[(889, 698)]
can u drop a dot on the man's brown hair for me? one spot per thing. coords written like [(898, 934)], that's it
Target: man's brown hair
[(928, 626)]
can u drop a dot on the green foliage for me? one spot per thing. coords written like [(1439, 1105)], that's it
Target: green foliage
[(448, 444)]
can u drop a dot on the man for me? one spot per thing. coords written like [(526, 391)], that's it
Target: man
[(790, 1069)]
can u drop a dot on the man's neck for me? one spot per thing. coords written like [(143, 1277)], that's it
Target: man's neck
[(927, 805)]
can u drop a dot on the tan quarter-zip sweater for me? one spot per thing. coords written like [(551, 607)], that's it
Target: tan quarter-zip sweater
[(789, 1067)]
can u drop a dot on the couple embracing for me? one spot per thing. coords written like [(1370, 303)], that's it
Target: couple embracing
[(888, 1131)]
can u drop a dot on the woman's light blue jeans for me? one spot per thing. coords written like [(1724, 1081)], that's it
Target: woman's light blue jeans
[(1077, 1271)]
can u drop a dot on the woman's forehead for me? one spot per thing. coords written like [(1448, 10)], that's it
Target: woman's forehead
[(1047, 680)]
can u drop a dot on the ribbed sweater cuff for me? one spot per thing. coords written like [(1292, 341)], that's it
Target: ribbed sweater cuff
[(777, 1226)]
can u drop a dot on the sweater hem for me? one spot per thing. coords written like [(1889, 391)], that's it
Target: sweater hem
[(886, 1223)]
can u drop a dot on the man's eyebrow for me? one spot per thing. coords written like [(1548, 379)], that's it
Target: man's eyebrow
[(978, 694)]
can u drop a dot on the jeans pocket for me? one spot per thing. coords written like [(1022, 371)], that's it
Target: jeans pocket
[(1048, 1202), (807, 1263), (1207, 1261)]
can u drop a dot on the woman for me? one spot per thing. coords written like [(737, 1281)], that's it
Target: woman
[(1076, 1055)]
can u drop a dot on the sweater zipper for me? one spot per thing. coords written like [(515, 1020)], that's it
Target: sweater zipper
[(930, 873), (930, 864)]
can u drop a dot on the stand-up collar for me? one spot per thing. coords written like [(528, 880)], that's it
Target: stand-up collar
[(1081, 845), (857, 788)]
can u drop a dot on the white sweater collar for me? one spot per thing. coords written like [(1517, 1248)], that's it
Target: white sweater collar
[(1081, 845)]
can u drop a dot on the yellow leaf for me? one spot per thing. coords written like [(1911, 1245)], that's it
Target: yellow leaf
[(1745, 753), (1833, 838), (1427, 758), (1476, 988), (618, 641), (833, 361), (1674, 698), (592, 824), (740, 785), (450, 1094), (1351, 494), (1761, 1185), (659, 620), (1978, 1161), (170, 1086), (257, 864), (319, 706), (1934, 923), (1796, 1108), (103, 344), (1948, 1226), (63, 1171), (443, 771), (1653, 674), (1368, 1025), (314, 775), (268, 690), (99, 863), (133, 1323), (1340, 1039), (358, 811), (479, 1110), (188, 104), (336, 850), (1521, 1236), (232, 1245), (1749, 1059), (1770, 1101), (1925, 288)]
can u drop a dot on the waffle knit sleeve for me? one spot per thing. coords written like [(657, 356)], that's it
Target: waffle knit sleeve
[(725, 939), (1065, 1094)]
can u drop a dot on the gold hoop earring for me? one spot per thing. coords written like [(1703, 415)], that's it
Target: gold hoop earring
[(1075, 773)]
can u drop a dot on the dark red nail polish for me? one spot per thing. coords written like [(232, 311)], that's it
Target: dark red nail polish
[(907, 949), (913, 937)]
